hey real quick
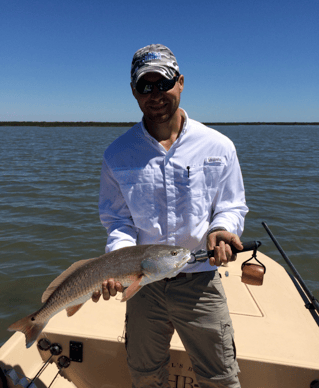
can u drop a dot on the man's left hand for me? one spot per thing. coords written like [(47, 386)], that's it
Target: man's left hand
[(221, 242)]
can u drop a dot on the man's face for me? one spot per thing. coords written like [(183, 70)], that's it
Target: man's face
[(159, 106)]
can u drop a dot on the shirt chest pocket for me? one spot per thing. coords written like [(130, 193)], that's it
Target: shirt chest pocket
[(190, 181), (137, 187), (198, 185), (196, 180)]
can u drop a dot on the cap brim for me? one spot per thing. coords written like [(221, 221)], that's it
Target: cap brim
[(154, 69)]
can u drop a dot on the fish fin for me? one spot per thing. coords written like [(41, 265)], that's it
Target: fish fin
[(131, 290), (60, 279), (30, 326), (73, 309)]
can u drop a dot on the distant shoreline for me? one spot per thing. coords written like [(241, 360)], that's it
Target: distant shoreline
[(124, 124)]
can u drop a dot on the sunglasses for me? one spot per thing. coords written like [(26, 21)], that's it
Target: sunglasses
[(164, 84)]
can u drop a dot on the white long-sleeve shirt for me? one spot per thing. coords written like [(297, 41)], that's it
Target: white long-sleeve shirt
[(152, 196)]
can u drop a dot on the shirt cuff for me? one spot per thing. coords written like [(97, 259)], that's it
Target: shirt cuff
[(216, 229)]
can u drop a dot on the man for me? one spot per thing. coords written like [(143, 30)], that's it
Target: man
[(171, 180)]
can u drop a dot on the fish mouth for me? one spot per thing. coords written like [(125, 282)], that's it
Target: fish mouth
[(184, 260)]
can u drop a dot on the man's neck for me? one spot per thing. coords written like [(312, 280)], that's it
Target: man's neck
[(166, 133)]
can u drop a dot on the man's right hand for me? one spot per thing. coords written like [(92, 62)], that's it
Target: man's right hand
[(221, 241), (109, 288)]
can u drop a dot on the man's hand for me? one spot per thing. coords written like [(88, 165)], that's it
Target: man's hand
[(221, 242), (109, 288)]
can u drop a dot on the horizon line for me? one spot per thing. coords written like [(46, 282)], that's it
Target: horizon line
[(131, 123)]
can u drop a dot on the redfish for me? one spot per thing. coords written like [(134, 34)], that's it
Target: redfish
[(133, 267)]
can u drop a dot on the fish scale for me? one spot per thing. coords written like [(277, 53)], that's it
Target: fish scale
[(133, 267)]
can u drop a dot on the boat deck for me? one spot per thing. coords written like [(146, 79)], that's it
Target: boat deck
[(277, 338)]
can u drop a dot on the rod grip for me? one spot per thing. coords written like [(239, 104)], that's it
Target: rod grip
[(248, 246)]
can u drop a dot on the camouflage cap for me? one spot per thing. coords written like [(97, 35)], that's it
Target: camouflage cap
[(153, 58)]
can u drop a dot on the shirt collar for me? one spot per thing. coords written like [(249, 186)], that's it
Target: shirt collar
[(184, 129)]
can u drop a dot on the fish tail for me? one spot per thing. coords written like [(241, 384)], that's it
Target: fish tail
[(30, 326)]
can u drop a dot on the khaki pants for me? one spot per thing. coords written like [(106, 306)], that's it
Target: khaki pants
[(196, 307)]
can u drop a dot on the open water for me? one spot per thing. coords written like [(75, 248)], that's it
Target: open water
[(49, 184)]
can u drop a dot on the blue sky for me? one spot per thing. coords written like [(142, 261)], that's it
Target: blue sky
[(243, 60)]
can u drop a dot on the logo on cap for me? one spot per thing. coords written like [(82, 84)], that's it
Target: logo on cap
[(151, 56)]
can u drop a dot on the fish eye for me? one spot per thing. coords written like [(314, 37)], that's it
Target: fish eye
[(174, 253)]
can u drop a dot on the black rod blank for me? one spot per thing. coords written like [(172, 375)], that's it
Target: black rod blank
[(313, 301)]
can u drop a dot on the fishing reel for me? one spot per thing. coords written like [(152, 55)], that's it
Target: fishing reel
[(252, 274)]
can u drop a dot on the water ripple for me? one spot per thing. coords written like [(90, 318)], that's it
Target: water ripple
[(49, 193)]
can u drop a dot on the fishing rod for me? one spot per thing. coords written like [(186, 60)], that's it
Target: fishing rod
[(252, 274), (313, 304), (203, 255)]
